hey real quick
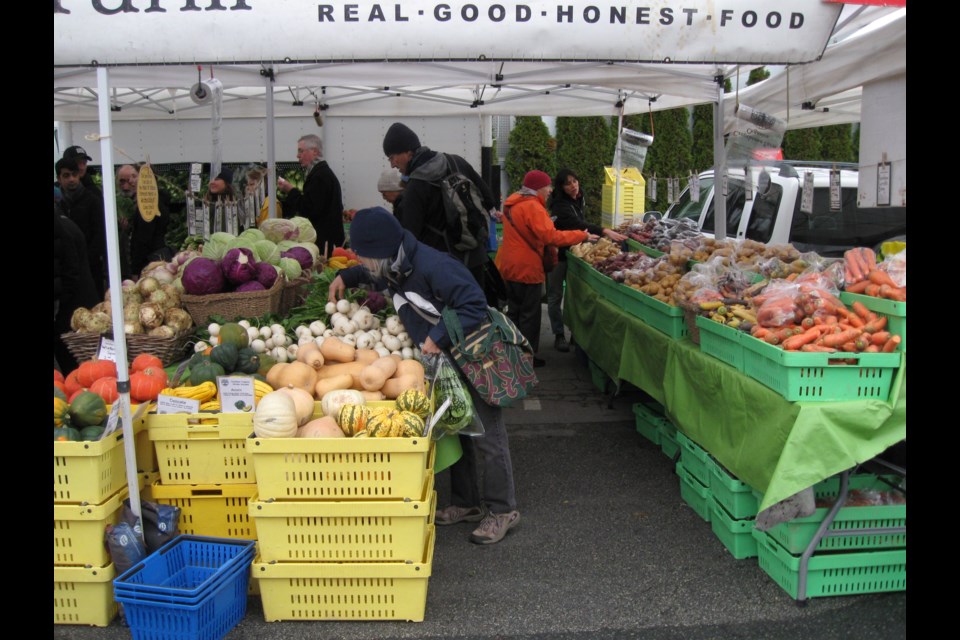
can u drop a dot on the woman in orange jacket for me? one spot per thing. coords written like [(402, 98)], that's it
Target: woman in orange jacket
[(527, 228)]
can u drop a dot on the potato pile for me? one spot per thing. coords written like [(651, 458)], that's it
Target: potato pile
[(595, 252)]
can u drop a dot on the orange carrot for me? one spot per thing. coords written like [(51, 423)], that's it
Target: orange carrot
[(869, 257), (771, 338), (857, 287), (861, 310), (876, 325), (838, 339), (759, 332), (881, 277), (817, 348), (872, 348), (880, 338), (872, 290), (849, 346), (830, 320), (795, 342), (891, 345), (853, 265), (864, 266), (791, 277), (862, 342), (819, 320), (807, 322), (892, 293), (855, 321)]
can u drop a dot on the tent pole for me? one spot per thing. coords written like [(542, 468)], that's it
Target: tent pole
[(719, 163), (615, 217), (116, 291), (271, 152)]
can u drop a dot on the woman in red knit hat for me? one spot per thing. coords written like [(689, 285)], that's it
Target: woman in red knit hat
[(527, 229)]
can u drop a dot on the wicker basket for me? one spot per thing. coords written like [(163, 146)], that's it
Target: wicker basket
[(295, 292), (83, 346), (248, 304)]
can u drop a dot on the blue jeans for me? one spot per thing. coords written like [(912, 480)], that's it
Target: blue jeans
[(555, 281)]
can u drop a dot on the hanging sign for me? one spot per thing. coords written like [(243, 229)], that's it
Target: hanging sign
[(298, 31), (752, 130), (883, 184), (806, 198), (148, 197), (694, 184), (835, 201), (653, 187)]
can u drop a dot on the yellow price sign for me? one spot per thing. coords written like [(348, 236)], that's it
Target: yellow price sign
[(148, 197)]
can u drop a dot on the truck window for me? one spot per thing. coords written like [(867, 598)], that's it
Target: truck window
[(849, 227), (736, 198), (684, 207), (763, 216)]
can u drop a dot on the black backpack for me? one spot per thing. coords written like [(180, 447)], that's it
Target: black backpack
[(467, 222)]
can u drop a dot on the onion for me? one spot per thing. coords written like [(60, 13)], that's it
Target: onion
[(162, 332), (147, 286), (98, 322), (151, 315), (79, 318), (177, 319), (162, 275), (173, 294), (173, 267), (132, 327), (160, 298), (131, 312)]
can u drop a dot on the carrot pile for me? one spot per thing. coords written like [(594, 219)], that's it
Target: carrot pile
[(834, 328), (863, 275)]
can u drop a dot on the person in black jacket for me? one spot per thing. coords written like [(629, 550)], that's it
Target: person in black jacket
[(73, 285), (85, 208), (421, 210), (147, 239), (81, 157), (321, 201), (566, 209)]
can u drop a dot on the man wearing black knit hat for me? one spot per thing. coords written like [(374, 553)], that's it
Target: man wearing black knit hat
[(421, 211)]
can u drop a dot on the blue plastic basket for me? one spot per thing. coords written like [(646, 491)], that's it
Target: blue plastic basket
[(186, 568)]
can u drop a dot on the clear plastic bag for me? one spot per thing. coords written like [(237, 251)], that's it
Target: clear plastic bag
[(896, 267), (446, 383)]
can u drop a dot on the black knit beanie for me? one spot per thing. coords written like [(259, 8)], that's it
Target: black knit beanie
[(375, 233), (400, 138)]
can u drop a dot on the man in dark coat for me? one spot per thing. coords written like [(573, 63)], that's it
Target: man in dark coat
[(146, 238), (73, 285), (321, 201), (85, 208), (81, 157), (421, 211)]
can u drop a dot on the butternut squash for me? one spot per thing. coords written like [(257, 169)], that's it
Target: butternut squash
[(339, 368), (273, 375), (373, 396), (297, 374), (333, 348), (414, 368), (309, 352), (325, 427), (366, 356), (343, 381), (397, 385), (378, 372)]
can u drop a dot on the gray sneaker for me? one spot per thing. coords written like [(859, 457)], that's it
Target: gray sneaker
[(494, 527), (454, 514)]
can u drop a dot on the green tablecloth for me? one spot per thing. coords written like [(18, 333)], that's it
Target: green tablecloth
[(776, 446)]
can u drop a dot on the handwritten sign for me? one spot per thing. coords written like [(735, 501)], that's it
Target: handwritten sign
[(148, 197), (173, 404), (107, 350)]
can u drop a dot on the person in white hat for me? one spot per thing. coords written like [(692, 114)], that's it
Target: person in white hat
[(390, 186)]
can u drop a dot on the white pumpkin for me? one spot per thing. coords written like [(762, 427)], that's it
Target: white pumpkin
[(302, 400), (276, 416), (333, 400)]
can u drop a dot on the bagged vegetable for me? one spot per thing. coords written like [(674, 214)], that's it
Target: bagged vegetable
[(896, 267), (446, 384)]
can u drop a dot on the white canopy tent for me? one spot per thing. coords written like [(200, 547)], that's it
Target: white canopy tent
[(139, 59)]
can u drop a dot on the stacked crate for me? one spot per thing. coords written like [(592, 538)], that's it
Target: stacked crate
[(734, 511), (694, 468), (345, 527), (626, 203), (89, 486)]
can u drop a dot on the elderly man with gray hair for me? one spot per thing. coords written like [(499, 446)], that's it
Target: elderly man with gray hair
[(320, 201)]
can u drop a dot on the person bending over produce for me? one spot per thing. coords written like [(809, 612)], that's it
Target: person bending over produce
[(416, 274)]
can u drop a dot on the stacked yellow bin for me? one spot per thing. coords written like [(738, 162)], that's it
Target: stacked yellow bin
[(630, 197), (345, 527)]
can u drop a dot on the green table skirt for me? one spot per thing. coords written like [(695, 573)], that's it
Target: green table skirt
[(774, 445)]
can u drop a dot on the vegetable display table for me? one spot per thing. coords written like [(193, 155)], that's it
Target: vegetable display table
[(776, 446)]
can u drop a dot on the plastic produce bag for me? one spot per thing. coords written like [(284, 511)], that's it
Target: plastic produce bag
[(896, 267), (161, 522), (446, 383)]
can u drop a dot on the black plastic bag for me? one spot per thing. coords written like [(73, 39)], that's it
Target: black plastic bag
[(161, 522)]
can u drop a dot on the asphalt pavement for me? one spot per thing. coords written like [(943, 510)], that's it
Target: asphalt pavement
[(606, 548)]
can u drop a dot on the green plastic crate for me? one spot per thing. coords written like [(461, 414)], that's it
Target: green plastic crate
[(833, 574), (695, 459), (735, 534), (735, 496), (721, 342), (819, 377), (603, 285), (668, 440), (599, 377), (896, 313), (661, 316), (633, 245), (646, 424), (693, 493), (794, 536)]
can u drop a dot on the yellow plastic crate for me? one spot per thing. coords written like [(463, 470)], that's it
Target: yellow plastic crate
[(84, 595), (204, 448), (341, 468), (216, 510), (78, 531), (345, 591), (630, 197), (89, 472), (393, 531)]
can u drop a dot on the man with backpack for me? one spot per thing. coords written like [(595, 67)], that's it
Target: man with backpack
[(427, 212)]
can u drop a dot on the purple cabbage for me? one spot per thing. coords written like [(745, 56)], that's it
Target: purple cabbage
[(375, 302), (239, 265), (301, 255), (252, 285), (266, 274), (202, 276)]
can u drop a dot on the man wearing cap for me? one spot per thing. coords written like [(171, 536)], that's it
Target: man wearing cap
[(81, 157), (85, 208), (421, 211), (321, 201), (390, 186), (527, 229)]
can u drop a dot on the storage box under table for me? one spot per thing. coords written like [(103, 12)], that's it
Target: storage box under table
[(736, 535), (647, 422), (695, 459), (367, 531), (346, 590), (734, 495), (78, 531), (202, 448), (217, 510), (84, 595), (695, 494)]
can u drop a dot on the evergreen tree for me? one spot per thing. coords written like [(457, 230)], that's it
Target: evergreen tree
[(701, 154), (856, 143), (531, 147), (802, 144), (757, 75), (585, 146), (837, 143)]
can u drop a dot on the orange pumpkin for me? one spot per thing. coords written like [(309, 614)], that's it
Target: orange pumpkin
[(106, 388), (58, 384), (71, 384), (145, 360), (57, 376), (144, 387), (92, 370), (157, 372)]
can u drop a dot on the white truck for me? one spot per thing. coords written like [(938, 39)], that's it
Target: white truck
[(772, 215)]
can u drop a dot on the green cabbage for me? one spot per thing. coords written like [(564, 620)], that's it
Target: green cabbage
[(284, 245), (253, 233), (307, 232), (266, 251), (291, 268), (217, 245), (277, 229), (242, 242)]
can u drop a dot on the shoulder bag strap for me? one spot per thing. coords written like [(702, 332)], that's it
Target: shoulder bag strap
[(506, 213)]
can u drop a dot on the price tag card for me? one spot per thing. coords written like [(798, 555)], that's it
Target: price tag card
[(195, 184), (695, 188), (653, 188), (196, 168), (748, 184), (236, 394), (835, 190), (172, 404), (113, 420), (723, 186), (806, 199), (670, 191), (883, 184), (107, 350)]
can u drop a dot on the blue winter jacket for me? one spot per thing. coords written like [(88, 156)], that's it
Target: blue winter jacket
[(432, 280)]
